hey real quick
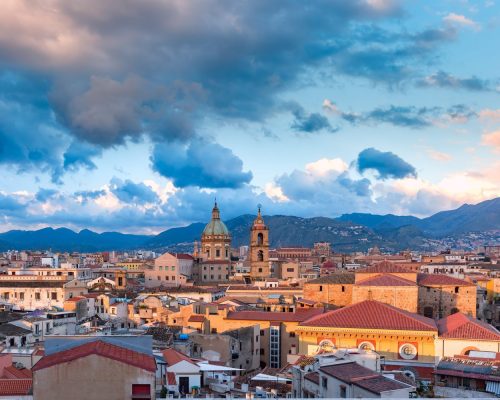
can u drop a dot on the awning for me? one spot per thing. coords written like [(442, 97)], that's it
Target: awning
[(493, 387), (205, 367), (271, 378)]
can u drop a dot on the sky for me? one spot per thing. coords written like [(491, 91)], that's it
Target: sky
[(134, 116)]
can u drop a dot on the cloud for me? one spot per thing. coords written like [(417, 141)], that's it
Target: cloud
[(461, 20), (308, 122), (113, 72), (201, 163), (405, 116), (492, 140), (438, 155), (490, 114), (45, 194), (442, 79), (132, 193), (386, 164)]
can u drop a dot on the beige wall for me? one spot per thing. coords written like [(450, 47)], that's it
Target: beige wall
[(404, 297), (337, 294), (446, 298), (91, 377), (453, 347)]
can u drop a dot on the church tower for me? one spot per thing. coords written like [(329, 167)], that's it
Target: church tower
[(259, 249)]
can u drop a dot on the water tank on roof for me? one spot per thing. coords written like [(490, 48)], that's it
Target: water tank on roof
[(183, 336)]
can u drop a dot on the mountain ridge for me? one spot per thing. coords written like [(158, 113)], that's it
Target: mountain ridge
[(349, 232)]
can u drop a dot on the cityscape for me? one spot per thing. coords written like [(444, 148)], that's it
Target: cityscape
[(249, 199)]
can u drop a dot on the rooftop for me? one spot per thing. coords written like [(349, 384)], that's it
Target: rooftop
[(461, 326), (384, 267), (297, 316), (335, 278), (441, 280), (100, 348), (386, 280), (370, 314)]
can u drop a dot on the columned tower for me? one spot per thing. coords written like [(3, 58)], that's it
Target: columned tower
[(259, 249)]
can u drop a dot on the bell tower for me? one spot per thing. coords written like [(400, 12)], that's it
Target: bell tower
[(259, 248)]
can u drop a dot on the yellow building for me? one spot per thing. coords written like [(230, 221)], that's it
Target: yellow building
[(404, 339)]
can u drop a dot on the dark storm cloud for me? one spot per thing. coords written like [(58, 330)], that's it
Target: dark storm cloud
[(201, 163), (308, 123), (385, 164)]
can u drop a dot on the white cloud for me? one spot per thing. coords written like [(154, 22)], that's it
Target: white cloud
[(457, 19), (325, 166), (492, 139)]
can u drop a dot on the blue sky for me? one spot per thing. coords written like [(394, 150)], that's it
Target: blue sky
[(134, 116)]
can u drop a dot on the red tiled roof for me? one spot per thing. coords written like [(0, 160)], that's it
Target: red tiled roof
[(77, 298), (441, 280), (183, 256), (461, 326), (384, 267), (100, 348), (172, 357), (297, 316), (16, 387), (370, 314), (171, 379), (348, 372), (380, 384), (16, 373), (196, 318), (386, 280), (313, 377)]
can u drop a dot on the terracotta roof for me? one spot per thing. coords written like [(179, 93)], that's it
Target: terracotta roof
[(173, 357), (100, 348), (335, 278), (461, 326), (77, 298), (196, 318), (380, 384), (17, 373), (171, 379), (306, 301), (16, 387), (313, 377), (370, 314), (297, 316), (441, 280), (384, 267), (386, 280), (183, 256), (348, 372)]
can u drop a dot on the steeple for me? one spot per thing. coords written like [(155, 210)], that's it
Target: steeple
[(215, 211)]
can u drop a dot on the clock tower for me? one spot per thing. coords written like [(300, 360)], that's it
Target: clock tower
[(259, 249)]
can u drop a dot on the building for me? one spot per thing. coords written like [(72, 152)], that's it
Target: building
[(333, 289), (214, 256), (169, 270), (259, 249), (95, 368), (404, 339), (185, 371)]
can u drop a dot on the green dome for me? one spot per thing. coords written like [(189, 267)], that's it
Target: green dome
[(216, 226)]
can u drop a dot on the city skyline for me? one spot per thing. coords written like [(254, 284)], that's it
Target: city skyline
[(128, 117)]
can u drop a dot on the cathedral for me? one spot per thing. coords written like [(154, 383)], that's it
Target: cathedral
[(214, 254)]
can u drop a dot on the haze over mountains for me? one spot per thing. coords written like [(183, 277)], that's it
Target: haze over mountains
[(350, 232)]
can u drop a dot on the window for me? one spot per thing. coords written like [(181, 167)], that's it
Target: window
[(260, 269), (262, 352), (260, 239), (343, 288), (257, 338), (160, 268), (217, 253), (53, 296), (260, 256), (290, 269), (343, 392), (292, 334), (173, 268), (120, 281), (166, 278), (324, 382), (262, 332), (320, 288), (214, 330), (159, 277), (456, 289), (21, 296)]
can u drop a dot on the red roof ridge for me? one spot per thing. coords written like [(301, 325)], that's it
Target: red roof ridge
[(101, 348), (385, 280)]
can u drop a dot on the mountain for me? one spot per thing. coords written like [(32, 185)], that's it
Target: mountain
[(63, 239), (378, 222), (467, 218), (350, 232)]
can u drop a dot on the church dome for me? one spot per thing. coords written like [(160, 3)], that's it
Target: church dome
[(215, 226)]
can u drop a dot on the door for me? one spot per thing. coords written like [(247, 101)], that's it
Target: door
[(184, 384)]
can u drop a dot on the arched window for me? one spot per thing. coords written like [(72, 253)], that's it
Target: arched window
[(260, 239), (260, 256)]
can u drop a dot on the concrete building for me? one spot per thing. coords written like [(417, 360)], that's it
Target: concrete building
[(169, 270), (104, 368)]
